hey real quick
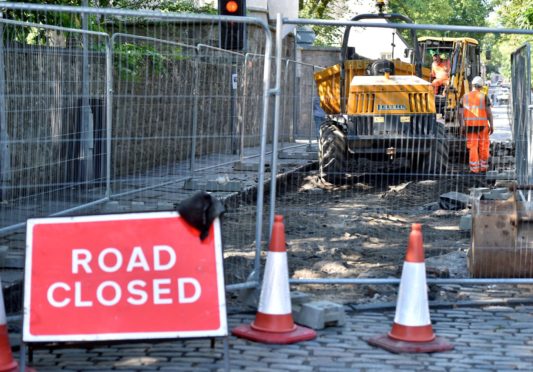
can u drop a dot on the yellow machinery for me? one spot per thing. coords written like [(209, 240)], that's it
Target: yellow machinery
[(381, 109), (465, 62)]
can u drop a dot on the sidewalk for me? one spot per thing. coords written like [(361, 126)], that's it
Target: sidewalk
[(490, 338)]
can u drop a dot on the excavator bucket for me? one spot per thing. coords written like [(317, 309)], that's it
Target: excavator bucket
[(502, 238)]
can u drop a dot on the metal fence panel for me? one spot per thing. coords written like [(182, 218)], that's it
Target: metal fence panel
[(521, 100), (167, 113), (44, 155), (353, 227)]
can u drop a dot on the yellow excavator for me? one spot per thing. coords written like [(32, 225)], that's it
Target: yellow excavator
[(464, 56), (465, 63)]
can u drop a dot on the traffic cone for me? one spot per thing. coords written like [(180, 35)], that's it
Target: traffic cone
[(412, 331), (7, 363), (274, 323)]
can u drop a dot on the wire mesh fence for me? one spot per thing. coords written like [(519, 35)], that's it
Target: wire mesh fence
[(521, 94), (134, 112), (142, 109), (391, 152), (45, 141)]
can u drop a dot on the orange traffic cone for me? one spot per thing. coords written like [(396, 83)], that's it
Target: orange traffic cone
[(412, 331), (7, 363), (273, 321)]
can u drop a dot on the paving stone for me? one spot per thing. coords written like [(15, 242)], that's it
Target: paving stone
[(485, 338), (287, 367)]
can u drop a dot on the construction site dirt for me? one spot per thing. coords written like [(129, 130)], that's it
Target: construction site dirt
[(361, 229)]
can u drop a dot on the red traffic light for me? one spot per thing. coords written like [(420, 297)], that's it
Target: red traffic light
[(232, 34), (232, 6)]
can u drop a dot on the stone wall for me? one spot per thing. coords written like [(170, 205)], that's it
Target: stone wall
[(157, 111)]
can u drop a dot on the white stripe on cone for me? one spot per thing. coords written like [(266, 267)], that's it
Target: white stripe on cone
[(412, 308), (272, 301)]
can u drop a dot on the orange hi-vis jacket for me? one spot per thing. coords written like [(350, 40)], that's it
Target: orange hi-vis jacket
[(440, 70), (475, 109)]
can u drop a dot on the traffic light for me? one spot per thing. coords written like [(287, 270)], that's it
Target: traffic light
[(232, 34)]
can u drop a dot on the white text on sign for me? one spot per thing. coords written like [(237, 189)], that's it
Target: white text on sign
[(137, 292)]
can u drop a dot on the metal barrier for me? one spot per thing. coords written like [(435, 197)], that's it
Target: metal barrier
[(355, 232), (44, 151), (521, 100), (133, 117)]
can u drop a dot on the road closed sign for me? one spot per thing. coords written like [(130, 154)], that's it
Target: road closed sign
[(123, 276)]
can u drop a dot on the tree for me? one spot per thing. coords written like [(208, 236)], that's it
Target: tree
[(444, 12), (517, 14), (324, 9), (38, 36)]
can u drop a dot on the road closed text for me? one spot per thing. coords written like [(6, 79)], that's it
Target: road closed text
[(159, 287)]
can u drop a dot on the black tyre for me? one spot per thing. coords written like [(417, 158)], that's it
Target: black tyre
[(438, 158), (332, 153)]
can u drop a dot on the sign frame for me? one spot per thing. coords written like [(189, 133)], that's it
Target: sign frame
[(28, 336)]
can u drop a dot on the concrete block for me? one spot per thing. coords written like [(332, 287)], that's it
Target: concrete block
[(298, 298), (230, 186), (477, 193), (192, 184), (114, 207), (249, 166), (165, 206), (495, 175), (454, 200), (319, 314), (140, 206), (497, 194), (226, 186), (284, 154), (465, 224)]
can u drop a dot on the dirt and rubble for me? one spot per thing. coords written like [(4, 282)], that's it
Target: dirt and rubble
[(361, 229)]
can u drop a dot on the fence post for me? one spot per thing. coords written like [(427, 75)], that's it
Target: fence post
[(109, 112), (276, 91), (244, 94), (195, 94), (87, 134), (261, 173), (5, 155)]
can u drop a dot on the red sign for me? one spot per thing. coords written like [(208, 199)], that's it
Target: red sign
[(123, 276)]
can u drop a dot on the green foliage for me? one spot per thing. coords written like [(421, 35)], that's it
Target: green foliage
[(448, 12), (185, 6), (444, 12), (177, 6), (324, 9), (517, 14), (132, 60)]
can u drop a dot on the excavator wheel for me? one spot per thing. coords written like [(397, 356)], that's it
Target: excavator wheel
[(332, 153)]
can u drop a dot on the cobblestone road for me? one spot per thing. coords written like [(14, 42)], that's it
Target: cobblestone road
[(497, 338)]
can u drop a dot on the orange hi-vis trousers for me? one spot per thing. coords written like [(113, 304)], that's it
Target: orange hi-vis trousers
[(478, 145)]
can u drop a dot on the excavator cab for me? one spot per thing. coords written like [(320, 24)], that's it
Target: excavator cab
[(465, 62)]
